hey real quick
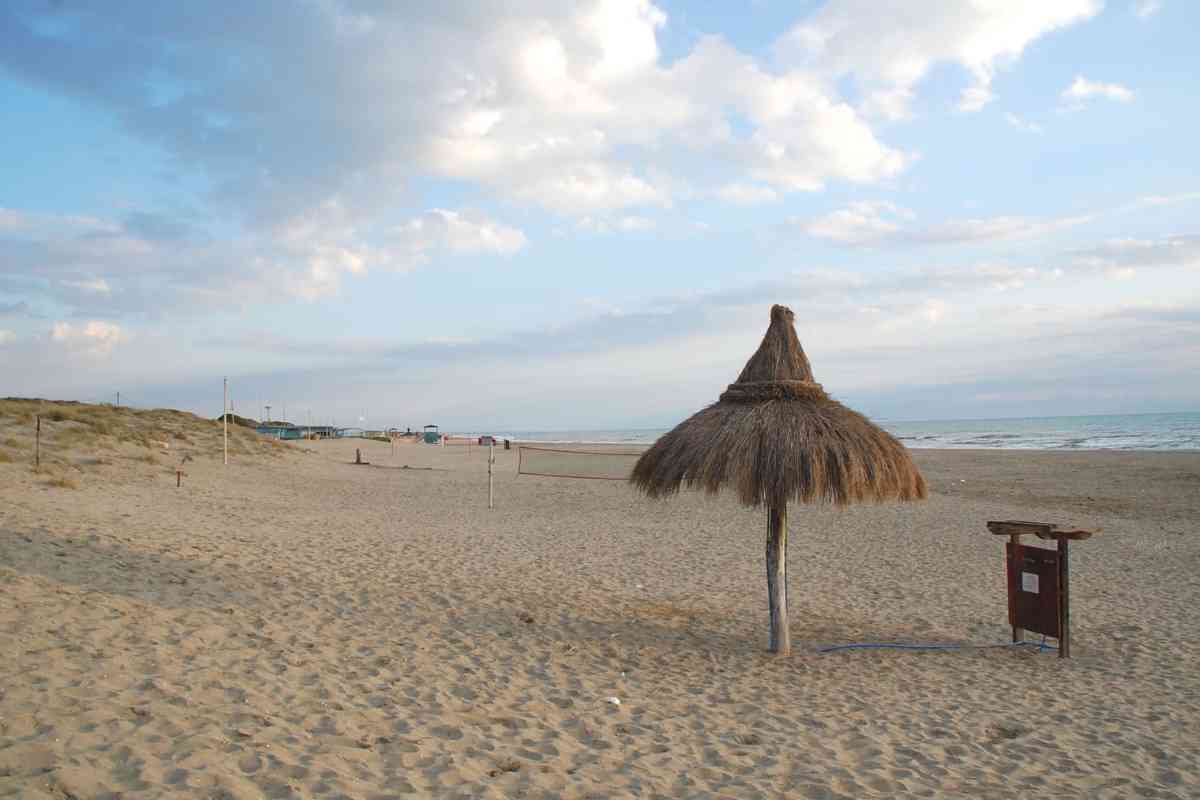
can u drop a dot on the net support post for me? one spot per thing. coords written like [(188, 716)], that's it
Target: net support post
[(491, 461)]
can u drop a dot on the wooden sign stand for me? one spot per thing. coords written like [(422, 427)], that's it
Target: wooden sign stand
[(1039, 597)]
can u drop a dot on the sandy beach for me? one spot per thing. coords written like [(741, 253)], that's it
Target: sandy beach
[(293, 625)]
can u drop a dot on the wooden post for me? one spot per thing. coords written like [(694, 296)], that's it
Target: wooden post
[(37, 443), (178, 478), (1014, 578), (357, 456), (1064, 602), (225, 417), (780, 641), (491, 460)]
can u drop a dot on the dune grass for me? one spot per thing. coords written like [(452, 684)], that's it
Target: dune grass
[(70, 430)]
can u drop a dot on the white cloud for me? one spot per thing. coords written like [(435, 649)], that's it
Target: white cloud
[(891, 47), (592, 186), (459, 232), (325, 248), (1124, 257), (1081, 90), (306, 255), (1166, 199), (861, 223), (569, 106), (1022, 125), (990, 228), (627, 224), (94, 285), (635, 224), (747, 194), (1144, 9), (870, 223), (96, 337)]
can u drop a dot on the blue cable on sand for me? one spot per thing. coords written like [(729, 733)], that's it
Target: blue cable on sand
[(899, 646)]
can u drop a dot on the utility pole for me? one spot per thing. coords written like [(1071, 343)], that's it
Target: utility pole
[(118, 399), (225, 418)]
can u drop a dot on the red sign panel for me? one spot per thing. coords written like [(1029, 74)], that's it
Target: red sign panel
[(1033, 589)]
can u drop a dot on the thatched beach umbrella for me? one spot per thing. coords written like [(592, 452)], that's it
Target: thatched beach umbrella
[(775, 436)]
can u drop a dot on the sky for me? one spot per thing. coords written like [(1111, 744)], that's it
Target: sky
[(546, 215)]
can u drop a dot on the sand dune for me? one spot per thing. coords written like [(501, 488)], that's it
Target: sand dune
[(296, 626)]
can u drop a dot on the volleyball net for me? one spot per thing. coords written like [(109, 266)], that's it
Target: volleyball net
[(607, 464)]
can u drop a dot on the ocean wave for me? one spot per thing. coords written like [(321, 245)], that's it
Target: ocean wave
[(1113, 432)]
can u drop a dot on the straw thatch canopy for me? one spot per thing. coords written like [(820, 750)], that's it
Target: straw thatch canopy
[(775, 436)]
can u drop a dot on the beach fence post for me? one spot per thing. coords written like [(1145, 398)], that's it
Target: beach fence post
[(780, 640), (178, 478), (37, 443), (491, 461)]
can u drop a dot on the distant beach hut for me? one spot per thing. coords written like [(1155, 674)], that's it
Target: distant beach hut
[(431, 434), (775, 436)]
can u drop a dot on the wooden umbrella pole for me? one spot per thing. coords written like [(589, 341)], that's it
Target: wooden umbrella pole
[(780, 641)]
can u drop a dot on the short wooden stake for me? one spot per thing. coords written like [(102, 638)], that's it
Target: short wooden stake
[(37, 443), (178, 478), (777, 603)]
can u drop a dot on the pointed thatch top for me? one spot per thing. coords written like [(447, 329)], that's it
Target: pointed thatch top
[(775, 435), (780, 356)]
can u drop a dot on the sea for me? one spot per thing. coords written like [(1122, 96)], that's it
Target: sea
[(1176, 431)]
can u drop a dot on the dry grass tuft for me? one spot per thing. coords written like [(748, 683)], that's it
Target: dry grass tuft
[(62, 482), (96, 461)]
